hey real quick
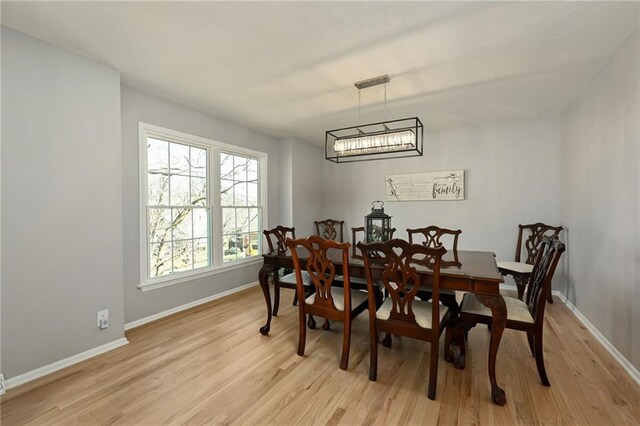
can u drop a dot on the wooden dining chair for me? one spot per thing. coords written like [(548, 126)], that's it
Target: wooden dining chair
[(339, 304), (522, 267), (330, 229), (401, 313), (276, 240), (527, 315)]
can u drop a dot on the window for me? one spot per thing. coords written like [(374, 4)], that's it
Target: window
[(241, 230), (203, 206)]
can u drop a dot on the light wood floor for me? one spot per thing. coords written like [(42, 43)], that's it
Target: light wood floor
[(211, 366)]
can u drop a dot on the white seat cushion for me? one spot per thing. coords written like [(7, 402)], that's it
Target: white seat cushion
[(522, 268), (421, 310), (517, 310), (291, 278), (357, 297)]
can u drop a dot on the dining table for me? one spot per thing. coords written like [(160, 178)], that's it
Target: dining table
[(472, 271)]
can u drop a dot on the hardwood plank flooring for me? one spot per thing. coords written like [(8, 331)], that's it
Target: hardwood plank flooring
[(209, 365)]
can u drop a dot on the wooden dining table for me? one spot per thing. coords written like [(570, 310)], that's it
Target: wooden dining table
[(476, 272)]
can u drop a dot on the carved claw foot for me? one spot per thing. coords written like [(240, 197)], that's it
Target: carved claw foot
[(386, 342), (264, 330), (498, 395), (311, 323)]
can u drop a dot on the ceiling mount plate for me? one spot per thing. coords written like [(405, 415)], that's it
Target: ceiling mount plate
[(370, 82)]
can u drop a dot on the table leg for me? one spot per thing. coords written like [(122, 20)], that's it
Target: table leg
[(499, 314), (263, 277)]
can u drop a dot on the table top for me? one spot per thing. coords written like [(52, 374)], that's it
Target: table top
[(474, 265)]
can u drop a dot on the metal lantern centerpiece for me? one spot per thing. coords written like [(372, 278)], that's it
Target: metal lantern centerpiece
[(377, 224)]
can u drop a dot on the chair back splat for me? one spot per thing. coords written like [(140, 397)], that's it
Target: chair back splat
[(539, 288), (277, 237), (330, 229), (535, 231), (434, 236)]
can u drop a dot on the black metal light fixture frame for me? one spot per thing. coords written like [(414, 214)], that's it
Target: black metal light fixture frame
[(375, 129)]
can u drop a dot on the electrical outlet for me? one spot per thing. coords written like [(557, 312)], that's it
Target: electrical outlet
[(103, 319), (2, 388)]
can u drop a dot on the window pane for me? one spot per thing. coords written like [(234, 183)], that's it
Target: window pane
[(182, 224), (158, 194), (252, 170), (254, 217), (243, 245), (179, 188), (198, 162), (179, 158), (226, 192), (198, 191), (159, 225), (252, 193), (182, 256), (230, 248), (200, 223), (200, 253), (254, 244), (229, 221), (157, 156), (240, 194), (226, 166), (159, 259), (239, 168), (242, 218)]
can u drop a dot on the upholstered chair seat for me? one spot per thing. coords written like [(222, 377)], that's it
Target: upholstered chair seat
[(517, 310), (522, 268), (291, 278), (421, 310), (337, 294)]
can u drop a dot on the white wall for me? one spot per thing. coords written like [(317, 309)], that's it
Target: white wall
[(512, 176), (61, 203), (601, 200), (140, 107)]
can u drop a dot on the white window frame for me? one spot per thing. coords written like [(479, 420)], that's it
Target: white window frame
[(214, 148)]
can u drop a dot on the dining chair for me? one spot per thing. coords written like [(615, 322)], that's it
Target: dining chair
[(401, 313), (521, 268), (339, 304), (527, 315), (330, 229), (276, 240), (434, 236)]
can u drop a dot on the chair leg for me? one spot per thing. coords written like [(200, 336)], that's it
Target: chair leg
[(276, 297), (459, 333), (312, 322), (295, 299), (373, 354), (521, 284), (539, 354), (531, 345), (550, 298), (346, 343), (326, 325), (302, 332), (433, 366), (386, 342), (448, 338)]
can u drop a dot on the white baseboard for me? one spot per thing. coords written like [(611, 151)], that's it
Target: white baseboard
[(63, 363), (159, 315), (615, 353)]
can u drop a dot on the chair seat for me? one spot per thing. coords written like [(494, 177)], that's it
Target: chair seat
[(358, 280), (357, 297), (517, 310), (521, 268), (421, 310), (291, 278)]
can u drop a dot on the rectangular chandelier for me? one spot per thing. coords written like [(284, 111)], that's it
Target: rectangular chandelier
[(375, 141)]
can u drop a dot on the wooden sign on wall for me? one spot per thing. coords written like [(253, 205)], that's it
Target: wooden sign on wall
[(430, 186)]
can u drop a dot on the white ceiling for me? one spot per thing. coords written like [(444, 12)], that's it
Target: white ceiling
[(287, 69)]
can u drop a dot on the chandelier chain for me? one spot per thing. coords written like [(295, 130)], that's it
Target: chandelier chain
[(359, 108)]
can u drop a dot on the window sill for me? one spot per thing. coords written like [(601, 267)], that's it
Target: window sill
[(194, 275)]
